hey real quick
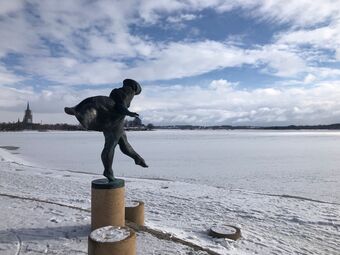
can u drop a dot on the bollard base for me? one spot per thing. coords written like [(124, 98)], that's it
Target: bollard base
[(112, 240), (107, 203), (134, 212)]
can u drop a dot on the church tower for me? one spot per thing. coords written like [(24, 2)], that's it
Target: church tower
[(28, 119)]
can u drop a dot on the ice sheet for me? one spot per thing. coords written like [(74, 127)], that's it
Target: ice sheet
[(303, 164)]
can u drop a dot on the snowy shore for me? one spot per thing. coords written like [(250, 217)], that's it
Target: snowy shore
[(45, 211)]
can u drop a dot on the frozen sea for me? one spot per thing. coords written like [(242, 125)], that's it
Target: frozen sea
[(281, 188), (303, 163)]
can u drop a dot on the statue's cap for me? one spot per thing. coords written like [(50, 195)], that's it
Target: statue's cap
[(135, 85)]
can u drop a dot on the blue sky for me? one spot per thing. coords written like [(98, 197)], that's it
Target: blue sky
[(199, 62)]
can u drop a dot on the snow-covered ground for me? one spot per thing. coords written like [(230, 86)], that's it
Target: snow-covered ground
[(44, 210), (48, 213)]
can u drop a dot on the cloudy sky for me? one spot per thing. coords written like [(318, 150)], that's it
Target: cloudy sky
[(206, 62)]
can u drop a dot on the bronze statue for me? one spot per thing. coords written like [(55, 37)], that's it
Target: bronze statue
[(106, 114)]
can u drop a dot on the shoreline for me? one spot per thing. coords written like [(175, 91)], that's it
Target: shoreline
[(9, 147)]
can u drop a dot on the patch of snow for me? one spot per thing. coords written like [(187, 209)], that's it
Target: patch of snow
[(224, 229), (130, 203), (6, 155)]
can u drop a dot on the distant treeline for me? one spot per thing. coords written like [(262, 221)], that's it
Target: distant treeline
[(19, 126), (293, 127), (229, 127)]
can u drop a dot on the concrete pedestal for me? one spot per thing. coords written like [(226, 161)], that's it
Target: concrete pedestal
[(134, 212), (107, 203)]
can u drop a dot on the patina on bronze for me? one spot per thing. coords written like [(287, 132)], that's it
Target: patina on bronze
[(107, 114)]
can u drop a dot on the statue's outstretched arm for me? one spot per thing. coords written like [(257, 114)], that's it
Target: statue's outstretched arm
[(125, 111), (127, 149)]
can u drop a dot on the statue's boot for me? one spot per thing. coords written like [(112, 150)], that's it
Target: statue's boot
[(109, 175), (141, 162)]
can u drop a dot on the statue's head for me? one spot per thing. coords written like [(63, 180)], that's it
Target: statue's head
[(133, 84)]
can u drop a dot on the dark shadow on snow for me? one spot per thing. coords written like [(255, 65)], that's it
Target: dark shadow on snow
[(47, 233)]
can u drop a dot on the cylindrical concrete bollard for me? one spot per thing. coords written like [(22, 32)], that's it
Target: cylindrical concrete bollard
[(134, 212), (112, 240), (107, 203), (225, 231)]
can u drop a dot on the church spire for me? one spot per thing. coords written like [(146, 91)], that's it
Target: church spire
[(28, 118)]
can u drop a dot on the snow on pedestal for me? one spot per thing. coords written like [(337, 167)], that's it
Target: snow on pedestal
[(112, 240), (131, 203), (109, 234)]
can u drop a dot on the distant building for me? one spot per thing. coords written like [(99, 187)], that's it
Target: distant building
[(28, 118), (136, 123)]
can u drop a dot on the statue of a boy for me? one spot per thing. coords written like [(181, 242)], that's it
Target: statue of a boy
[(106, 114)]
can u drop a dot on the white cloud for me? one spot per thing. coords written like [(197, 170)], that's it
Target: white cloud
[(92, 42), (181, 18), (96, 39), (17, 35), (8, 7), (149, 10), (219, 102), (302, 13), (69, 71), (164, 61), (8, 77), (264, 106), (222, 85), (279, 60), (325, 37), (174, 60), (120, 46), (324, 73), (309, 78), (177, 60)]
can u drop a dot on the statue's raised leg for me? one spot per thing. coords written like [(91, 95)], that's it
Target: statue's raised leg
[(127, 149)]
